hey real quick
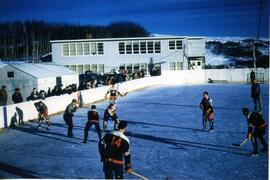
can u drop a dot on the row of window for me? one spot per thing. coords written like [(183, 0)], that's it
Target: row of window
[(81, 68), (136, 47), (176, 65), (175, 44), (83, 49), (133, 67), (129, 47)]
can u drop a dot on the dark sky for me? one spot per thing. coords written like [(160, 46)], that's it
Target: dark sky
[(175, 17)]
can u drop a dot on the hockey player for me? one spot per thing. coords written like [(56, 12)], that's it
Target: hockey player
[(256, 95), (42, 113), (114, 93), (68, 114), (206, 106), (110, 113), (93, 119), (257, 128), (113, 147)]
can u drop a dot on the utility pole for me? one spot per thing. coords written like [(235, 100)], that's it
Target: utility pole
[(257, 35)]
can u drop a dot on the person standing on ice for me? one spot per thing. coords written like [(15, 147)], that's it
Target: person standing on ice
[(68, 114), (93, 119), (206, 106), (257, 126), (110, 113), (113, 148), (256, 95), (114, 93)]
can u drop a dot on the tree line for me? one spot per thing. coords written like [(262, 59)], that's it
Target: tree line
[(30, 40)]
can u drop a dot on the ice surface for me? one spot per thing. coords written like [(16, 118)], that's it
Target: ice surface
[(164, 130)]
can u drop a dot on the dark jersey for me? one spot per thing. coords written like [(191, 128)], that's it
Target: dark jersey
[(255, 119), (70, 109), (206, 104), (116, 147), (109, 114), (93, 116), (255, 90), (41, 107)]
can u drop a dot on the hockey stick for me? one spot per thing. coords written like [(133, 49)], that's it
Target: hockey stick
[(139, 175), (234, 144)]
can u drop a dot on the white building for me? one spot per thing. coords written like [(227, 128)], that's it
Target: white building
[(27, 76), (103, 55)]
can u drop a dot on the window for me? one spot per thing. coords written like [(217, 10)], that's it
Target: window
[(143, 66), (136, 47), (172, 45), (157, 46), (65, 50), (101, 68), (73, 68), (100, 48), (176, 65), (72, 49), (94, 67), (143, 47), (121, 48), (79, 49), (178, 44), (172, 65), (136, 67), (93, 48), (87, 67), (10, 74), (150, 47), (122, 67), (198, 63), (129, 68), (86, 49), (80, 69), (129, 47), (179, 66)]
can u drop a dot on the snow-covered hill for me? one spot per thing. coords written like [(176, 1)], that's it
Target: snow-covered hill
[(236, 51)]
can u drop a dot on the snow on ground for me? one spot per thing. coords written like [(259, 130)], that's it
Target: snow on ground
[(164, 130)]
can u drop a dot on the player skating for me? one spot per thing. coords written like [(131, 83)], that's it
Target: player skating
[(114, 93), (110, 113), (257, 128), (206, 106), (68, 114), (113, 148), (43, 117), (93, 119)]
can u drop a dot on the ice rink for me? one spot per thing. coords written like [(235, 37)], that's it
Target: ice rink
[(165, 133)]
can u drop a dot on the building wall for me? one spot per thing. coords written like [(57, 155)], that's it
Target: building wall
[(21, 80), (112, 59)]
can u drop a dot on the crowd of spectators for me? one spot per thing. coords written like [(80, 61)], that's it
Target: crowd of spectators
[(87, 81)]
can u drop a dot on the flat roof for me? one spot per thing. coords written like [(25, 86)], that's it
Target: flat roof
[(41, 70), (126, 39)]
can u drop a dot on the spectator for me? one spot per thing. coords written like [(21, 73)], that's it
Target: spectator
[(42, 94), (17, 96), (33, 95), (252, 75), (3, 96)]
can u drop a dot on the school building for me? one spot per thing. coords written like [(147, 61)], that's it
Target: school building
[(133, 54)]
